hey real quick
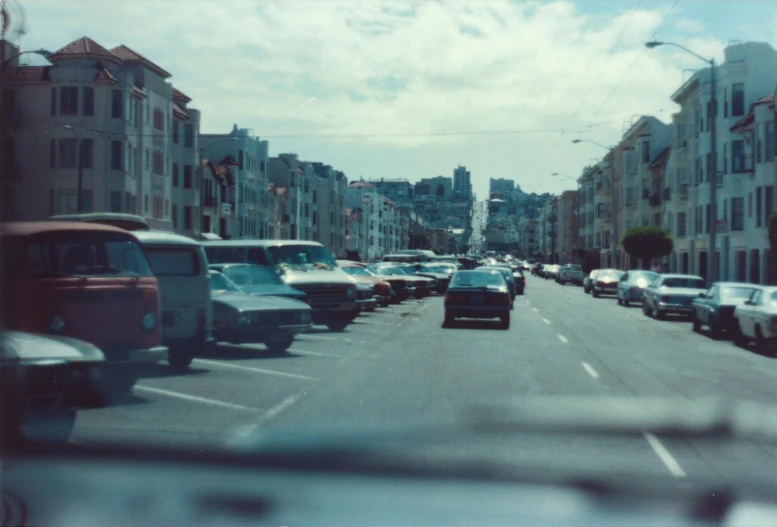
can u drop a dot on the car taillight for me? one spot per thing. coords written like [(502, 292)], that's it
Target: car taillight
[(500, 300), (523, 280), (454, 297)]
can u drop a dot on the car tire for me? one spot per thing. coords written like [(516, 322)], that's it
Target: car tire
[(626, 302), (739, 337), (658, 314), (449, 320), (280, 347), (48, 425), (695, 322), (594, 293), (645, 309), (338, 324), (715, 330), (562, 282), (620, 302), (760, 341), (181, 355), (505, 321)]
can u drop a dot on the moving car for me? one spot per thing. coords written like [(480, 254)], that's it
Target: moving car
[(588, 281), (606, 282), (570, 273), (87, 281), (241, 318), (672, 293), (478, 294), (420, 286), (509, 277), (259, 280), (715, 308), (441, 274), (381, 289), (550, 271), (304, 265), (756, 318), (631, 286)]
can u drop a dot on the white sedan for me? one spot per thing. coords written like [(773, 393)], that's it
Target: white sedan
[(756, 318)]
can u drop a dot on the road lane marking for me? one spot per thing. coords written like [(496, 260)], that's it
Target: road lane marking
[(665, 456), (535, 309), (278, 408), (316, 337), (317, 353), (546, 320), (252, 369), (563, 339), (591, 371), (378, 322), (196, 399), (246, 431)]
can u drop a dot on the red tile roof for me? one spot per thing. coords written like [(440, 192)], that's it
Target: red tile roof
[(360, 184), (180, 96), (661, 158), (84, 46), (769, 99), (27, 74), (104, 75), (744, 122), (129, 55), (179, 113)]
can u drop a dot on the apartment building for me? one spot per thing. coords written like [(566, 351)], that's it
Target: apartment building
[(109, 115), (586, 185), (566, 239), (462, 183), (287, 171), (328, 201)]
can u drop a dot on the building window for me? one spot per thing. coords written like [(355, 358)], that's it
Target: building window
[(88, 101), (758, 206), (87, 153), (175, 216), (117, 155), (159, 120), (175, 132), (115, 201), (53, 153), (67, 153), (167, 206), (145, 204), (187, 176), (117, 104), (681, 223), (68, 100), (738, 99), (769, 141), (738, 158), (769, 205), (138, 111), (750, 205), (646, 151), (240, 159), (725, 101), (737, 214), (708, 215), (53, 101), (187, 218), (188, 138), (175, 174), (159, 163)]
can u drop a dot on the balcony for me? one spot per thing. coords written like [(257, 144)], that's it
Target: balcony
[(741, 164), (682, 192)]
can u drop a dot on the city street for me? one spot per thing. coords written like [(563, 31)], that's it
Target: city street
[(399, 367)]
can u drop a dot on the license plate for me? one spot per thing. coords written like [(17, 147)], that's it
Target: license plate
[(476, 299)]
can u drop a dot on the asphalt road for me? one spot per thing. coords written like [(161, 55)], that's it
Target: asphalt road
[(398, 367)]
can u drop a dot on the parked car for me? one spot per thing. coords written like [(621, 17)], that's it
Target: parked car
[(478, 294), (588, 281), (399, 287), (715, 308), (570, 273), (631, 286), (756, 318), (536, 268), (441, 275), (87, 281), (241, 318), (258, 280), (551, 271), (507, 274), (606, 282), (421, 285), (672, 293), (365, 298), (180, 266), (44, 378), (382, 291)]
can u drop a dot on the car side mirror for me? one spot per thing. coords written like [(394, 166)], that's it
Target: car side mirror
[(702, 295), (747, 303)]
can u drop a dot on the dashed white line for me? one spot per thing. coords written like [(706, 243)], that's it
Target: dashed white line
[(534, 309), (665, 456), (591, 371), (252, 369), (316, 353), (378, 322), (278, 408), (317, 337), (563, 339), (196, 399), (546, 320)]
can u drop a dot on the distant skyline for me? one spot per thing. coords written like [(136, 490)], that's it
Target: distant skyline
[(415, 89)]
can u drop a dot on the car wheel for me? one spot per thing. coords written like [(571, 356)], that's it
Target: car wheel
[(181, 355), (47, 425), (715, 330), (449, 320), (280, 346), (645, 309), (658, 313), (562, 282), (695, 322), (739, 337), (760, 341), (620, 302), (505, 319), (626, 302), (595, 293), (337, 325)]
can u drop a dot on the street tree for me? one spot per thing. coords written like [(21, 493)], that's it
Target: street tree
[(647, 242)]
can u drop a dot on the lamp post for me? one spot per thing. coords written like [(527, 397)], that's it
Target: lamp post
[(80, 164), (712, 115)]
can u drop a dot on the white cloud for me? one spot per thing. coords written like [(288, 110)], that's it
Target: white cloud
[(397, 68)]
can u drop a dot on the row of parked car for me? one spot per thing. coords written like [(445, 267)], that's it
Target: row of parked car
[(745, 311), (96, 297)]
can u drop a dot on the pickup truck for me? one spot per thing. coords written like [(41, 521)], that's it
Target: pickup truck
[(570, 273)]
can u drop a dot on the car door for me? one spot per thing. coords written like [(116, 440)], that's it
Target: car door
[(623, 286), (746, 314), (703, 305), (759, 314)]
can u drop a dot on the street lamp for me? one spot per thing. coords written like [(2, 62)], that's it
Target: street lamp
[(712, 115), (80, 162)]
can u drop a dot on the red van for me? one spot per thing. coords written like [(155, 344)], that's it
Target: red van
[(86, 281)]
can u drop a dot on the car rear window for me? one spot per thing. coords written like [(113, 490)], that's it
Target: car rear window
[(173, 262), (689, 283), (732, 293), (477, 278)]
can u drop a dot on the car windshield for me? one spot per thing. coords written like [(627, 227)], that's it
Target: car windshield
[(683, 283), (220, 283), (356, 270), (736, 293), (252, 275), (434, 269), (76, 254), (642, 276), (300, 255), (477, 279)]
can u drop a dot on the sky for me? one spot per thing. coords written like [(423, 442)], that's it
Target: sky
[(403, 89)]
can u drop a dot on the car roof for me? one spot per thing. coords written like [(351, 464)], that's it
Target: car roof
[(229, 265), (131, 222), (163, 238), (736, 284), (260, 243), (28, 228), (677, 275)]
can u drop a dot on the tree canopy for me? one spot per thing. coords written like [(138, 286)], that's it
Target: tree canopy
[(647, 242)]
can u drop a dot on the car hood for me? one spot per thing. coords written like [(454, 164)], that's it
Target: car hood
[(32, 347), (315, 275), (273, 289), (367, 280), (438, 276), (680, 291), (415, 279), (243, 302)]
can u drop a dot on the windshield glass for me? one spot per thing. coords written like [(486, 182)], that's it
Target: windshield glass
[(219, 282), (688, 283), (252, 275), (79, 254), (173, 262), (300, 255), (356, 271), (609, 275), (735, 293), (434, 269), (642, 276), (477, 279)]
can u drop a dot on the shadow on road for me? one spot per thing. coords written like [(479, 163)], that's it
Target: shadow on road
[(474, 324), (127, 399), (243, 352), (770, 352)]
